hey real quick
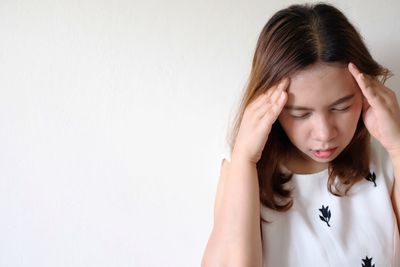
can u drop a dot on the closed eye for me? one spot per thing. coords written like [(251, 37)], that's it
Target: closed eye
[(300, 116), (341, 109)]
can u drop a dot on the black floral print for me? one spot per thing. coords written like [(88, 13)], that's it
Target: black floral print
[(371, 177), (326, 214), (367, 262)]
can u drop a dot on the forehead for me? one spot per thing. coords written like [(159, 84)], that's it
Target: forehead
[(321, 84)]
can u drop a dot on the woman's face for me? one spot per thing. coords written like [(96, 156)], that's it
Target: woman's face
[(321, 115)]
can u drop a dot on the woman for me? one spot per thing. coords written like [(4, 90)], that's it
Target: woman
[(304, 185)]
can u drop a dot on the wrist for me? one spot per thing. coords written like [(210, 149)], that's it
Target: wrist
[(242, 158), (394, 154)]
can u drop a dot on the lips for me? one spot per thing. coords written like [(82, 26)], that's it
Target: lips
[(323, 154)]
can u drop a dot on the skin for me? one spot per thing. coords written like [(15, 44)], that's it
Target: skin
[(236, 236), (320, 114), (381, 116), (324, 125), (235, 240)]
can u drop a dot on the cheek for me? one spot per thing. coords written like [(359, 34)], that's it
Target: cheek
[(295, 131), (350, 118), (355, 113), (286, 124), (348, 123), (358, 104)]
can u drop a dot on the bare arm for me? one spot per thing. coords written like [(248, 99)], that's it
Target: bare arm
[(396, 188), (236, 237), (235, 240), (381, 116)]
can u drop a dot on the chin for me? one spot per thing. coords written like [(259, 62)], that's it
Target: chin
[(326, 160)]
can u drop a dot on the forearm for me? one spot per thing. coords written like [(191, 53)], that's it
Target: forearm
[(236, 236), (239, 211), (395, 159)]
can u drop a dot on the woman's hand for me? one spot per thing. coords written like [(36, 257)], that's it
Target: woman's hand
[(381, 111), (257, 121)]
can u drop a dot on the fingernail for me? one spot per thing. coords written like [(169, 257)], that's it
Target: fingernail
[(284, 81), (353, 65)]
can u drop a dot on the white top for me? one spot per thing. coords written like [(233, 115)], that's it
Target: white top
[(321, 229)]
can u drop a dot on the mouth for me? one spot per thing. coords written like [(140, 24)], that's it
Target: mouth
[(324, 154)]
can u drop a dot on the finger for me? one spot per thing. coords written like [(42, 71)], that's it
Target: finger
[(282, 86), (257, 102), (365, 83), (275, 91), (271, 95), (273, 98), (358, 76), (270, 103), (365, 103), (354, 70), (274, 109)]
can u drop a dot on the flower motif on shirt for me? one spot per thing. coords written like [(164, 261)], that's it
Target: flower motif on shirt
[(367, 262), (326, 214), (371, 177)]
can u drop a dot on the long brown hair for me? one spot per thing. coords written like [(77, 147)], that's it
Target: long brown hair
[(294, 38)]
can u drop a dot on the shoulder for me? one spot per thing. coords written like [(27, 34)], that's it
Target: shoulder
[(380, 162), (380, 157), (226, 152)]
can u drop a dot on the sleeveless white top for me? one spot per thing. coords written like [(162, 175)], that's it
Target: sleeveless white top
[(320, 229)]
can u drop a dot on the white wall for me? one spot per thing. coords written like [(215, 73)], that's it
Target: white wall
[(113, 117)]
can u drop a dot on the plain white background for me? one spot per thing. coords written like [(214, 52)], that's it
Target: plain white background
[(113, 118)]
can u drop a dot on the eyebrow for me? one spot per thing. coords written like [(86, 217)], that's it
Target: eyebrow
[(336, 102)]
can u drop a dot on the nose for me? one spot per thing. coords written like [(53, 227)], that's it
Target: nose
[(324, 129)]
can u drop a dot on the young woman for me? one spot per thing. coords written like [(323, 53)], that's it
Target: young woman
[(305, 184)]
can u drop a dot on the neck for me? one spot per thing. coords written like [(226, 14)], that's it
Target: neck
[(299, 163)]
